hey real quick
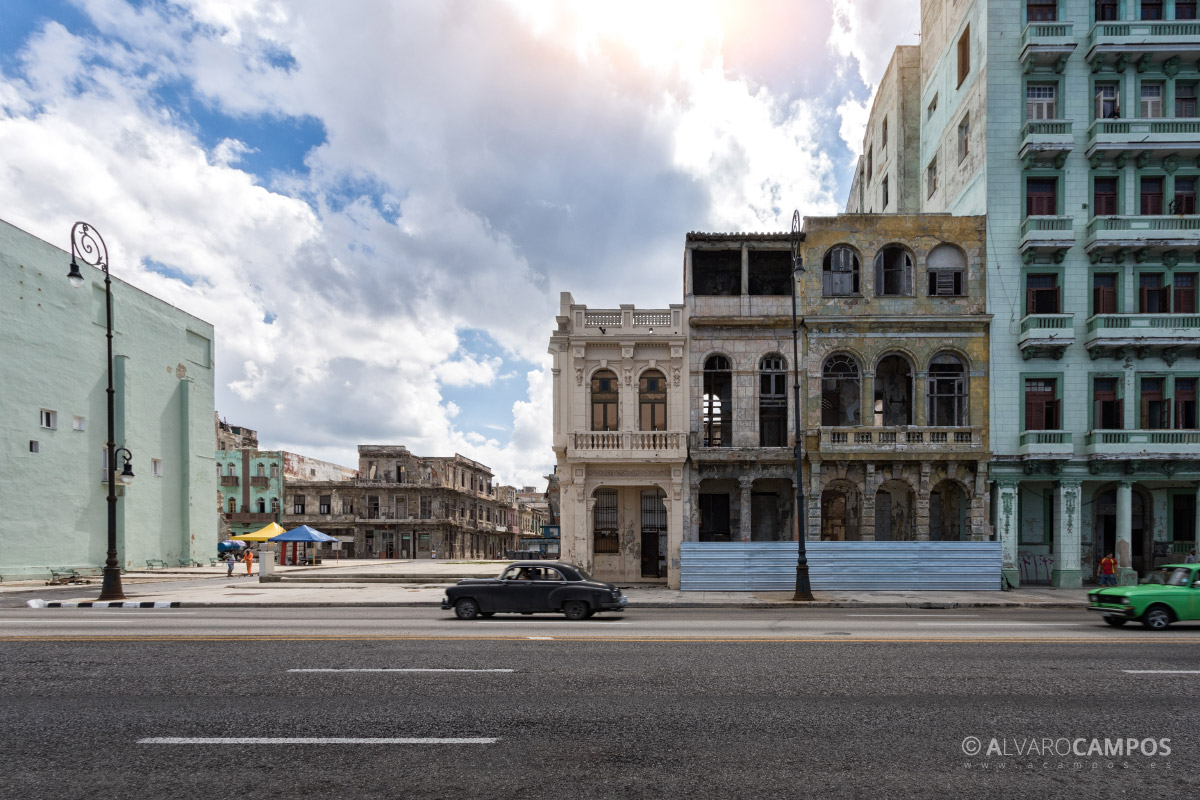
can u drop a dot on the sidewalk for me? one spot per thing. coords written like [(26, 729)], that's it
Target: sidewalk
[(421, 583)]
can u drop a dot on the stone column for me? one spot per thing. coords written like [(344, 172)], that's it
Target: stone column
[(919, 393), (920, 520), (1066, 573), (1125, 572), (1008, 525), (674, 536), (746, 484), (812, 503), (866, 525)]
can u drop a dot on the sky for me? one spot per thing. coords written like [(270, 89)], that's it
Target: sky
[(377, 202)]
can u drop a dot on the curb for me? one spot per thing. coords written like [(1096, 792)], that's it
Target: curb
[(104, 604), (632, 606)]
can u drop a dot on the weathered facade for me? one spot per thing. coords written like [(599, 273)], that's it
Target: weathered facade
[(620, 421), (400, 505)]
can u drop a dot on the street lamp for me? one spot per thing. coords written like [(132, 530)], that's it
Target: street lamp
[(87, 245), (803, 587)]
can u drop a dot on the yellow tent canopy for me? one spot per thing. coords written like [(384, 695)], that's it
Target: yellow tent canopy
[(274, 529)]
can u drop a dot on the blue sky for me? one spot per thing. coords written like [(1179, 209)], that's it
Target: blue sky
[(378, 210)]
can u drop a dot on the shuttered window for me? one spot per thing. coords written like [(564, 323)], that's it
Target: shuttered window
[(1151, 196), (1041, 404), (1104, 197), (1104, 293), (1041, 197)]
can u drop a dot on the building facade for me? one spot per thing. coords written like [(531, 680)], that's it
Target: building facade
[(53, 482), (400, 505), (1074, 125), (620, 441)]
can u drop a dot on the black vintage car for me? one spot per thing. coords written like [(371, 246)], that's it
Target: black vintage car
[(530, 587)]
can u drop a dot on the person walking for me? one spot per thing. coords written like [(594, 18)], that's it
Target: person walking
[(229, 564), (1191, 557), (1108, 571), (249, 560)]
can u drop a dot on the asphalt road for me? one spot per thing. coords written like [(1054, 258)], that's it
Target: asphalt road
[(406, 702)]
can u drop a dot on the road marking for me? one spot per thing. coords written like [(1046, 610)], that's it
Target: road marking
[(1162, 671), (540, 622), (541, 638), (925, 616), (395, 669), (306, 740), (949, 638), (1003, 624)]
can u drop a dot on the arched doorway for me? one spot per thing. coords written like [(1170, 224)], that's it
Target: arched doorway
[(841, 511), (894, 512), (947, 513), (1104, 529), (893, 391)]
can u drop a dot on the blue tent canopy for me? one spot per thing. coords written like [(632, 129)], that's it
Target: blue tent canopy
[(303, 534)]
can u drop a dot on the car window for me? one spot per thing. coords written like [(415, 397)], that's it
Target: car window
[(510, 574), (1180, 577), (552, 575), (583, 575)]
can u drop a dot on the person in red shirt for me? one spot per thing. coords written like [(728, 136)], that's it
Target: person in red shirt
[(1108, 571)]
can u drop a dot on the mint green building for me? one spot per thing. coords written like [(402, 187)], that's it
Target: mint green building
[(1073, 124), (53, 405), (251, 488)]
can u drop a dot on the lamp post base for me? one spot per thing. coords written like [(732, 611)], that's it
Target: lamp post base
[(110, 588), (803, 587)]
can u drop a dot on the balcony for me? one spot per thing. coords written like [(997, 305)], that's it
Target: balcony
[(1145, 334), (229, 480), (1047, 43), (627, 445), (259, 481), (1142, 42), (1172, 135), (1143, 444), (1125, 233), (249, 519), (1046, 139), (1046, 335), (1046, 444), (899, 439), (1046, 234)]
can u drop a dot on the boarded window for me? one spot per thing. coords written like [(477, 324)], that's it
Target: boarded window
[(840, 272), (947, 269)]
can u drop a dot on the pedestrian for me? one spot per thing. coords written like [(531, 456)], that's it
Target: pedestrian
[(1191, 557), (1108, 571), (229, 564), (249, 559), (433, 553)]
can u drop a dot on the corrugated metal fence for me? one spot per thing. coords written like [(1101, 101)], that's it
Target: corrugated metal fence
[(771, 566)]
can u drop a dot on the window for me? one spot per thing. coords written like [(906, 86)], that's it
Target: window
[(1151, 195), (1108, 100), (1184, 297), (1040, 101), (1104, 293), (883, 138), (231, 470), (1153, 294), (49, 419), (1041, 11), (772, 402), (884, 193), (652, 401), (232, 507), (426, 503), (34, 446), (604, 403), (260, 506), (1041, 197), (841, 392), (325, 505), (604, 522), (964, 136), (274, 470), (839, 273), (964, 55), (260, 470), (893, 271), (1106, 10), (870, 162), (947, 269), (947, 391), (1107, 408), (931, 178), (1185, 99), (80, 424), (298, 504), (1185, 196), (893, 391), (716, 408), (1104, 197), (1155, 411), (274, 505), (1185, 9), (1185, 403), (1152, 9), (932, 107), (1152, 100), (347, 506), (1042, 295), (1041, 404), (156, 467)]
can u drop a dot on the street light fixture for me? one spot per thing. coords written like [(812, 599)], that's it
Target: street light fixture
[(86, 244), (803, 587)]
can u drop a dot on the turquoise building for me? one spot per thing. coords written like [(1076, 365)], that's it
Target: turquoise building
[(250, 487), (1073, 124), (53, 406)]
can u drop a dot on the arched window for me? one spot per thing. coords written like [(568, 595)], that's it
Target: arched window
[(947, 391), (841, 391), (274, 470), (232, 505), (947, 269), (652, 401), (772, 402), (839, 276), (717, 410), (230, 470), (261, 506), (261, 470), (604, 401), (274, 505), (893, 391), (893, 272)]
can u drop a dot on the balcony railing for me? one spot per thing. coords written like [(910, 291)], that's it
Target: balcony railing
[(904, 438), (1143, 231), (1179, 134), (1048, 33), (1053, 232), (259, 481), (1046, 127), (248, 517), (1047, 443), (1152, 34), (1143, 325), (1143, 443), (628, 318), (229, 480), (616, 442)]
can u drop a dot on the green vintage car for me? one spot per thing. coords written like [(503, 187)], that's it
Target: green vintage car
[(1171, 595)]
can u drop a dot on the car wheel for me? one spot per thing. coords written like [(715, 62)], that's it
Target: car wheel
[(1116, 622), (1156, 618), (466, 609), (576, 609)]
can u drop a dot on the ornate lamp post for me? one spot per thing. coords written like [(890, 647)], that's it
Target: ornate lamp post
[(803, 587), (87, 245)]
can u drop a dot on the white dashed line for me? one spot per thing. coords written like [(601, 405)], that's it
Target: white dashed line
[(1162, 671), (541, 638), (924, 616), (395, 669), (305, 740)]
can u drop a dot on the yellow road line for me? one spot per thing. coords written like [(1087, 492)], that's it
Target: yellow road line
[(602, 640)]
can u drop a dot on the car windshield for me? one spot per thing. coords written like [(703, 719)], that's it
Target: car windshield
[(1179, 577)]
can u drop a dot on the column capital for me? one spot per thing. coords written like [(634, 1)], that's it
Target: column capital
[(1068, 483)]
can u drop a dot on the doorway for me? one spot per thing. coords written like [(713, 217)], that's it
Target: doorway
[(654, 535)]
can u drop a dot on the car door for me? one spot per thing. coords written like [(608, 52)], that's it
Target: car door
[(547, 582), (511, 592), (1194, 596)]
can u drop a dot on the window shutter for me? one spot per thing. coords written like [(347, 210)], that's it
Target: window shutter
[(1120, 415), (1055, 410), (1167, 415), (1144, 414), (879, 273), (1142, 300), (907, 276), (1164, 299), (1057, 300), (1029, 300), (1035, 412)]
